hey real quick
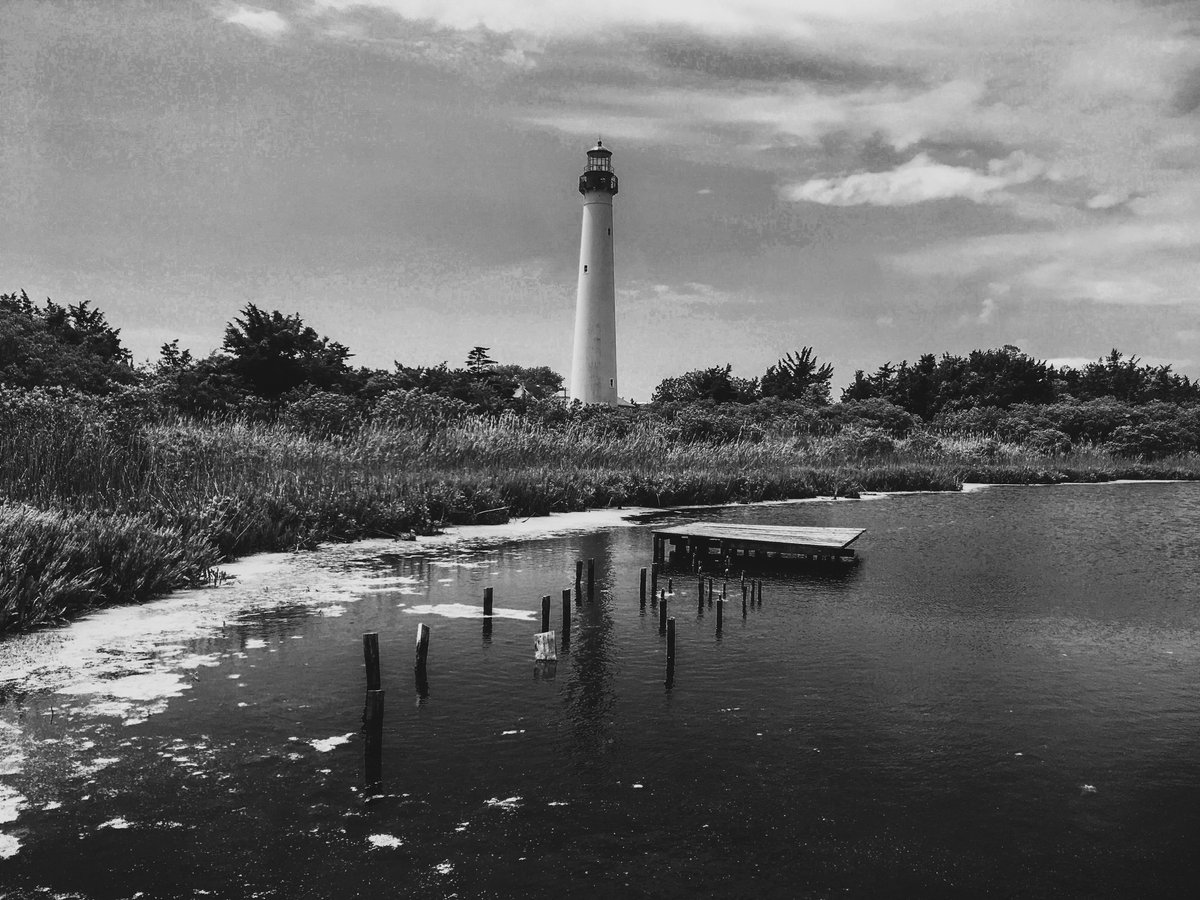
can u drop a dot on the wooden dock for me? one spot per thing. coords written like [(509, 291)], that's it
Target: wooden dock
[(728, 541)]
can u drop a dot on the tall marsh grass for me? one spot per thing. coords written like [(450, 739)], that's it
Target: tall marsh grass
[(98, 506)]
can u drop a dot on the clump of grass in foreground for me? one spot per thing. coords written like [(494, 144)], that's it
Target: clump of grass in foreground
[(55, 563)]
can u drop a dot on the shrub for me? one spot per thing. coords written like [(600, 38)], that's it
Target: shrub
[(863, 443), (1049, 441), (1149, 440), (322, 414), (414, 408), (922, 443)]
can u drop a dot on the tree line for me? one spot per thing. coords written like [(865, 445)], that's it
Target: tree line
[(273, 366)]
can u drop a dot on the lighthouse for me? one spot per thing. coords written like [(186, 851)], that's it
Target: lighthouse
[(594, 363)]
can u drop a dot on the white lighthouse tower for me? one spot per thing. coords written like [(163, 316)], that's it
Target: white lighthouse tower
[(594, 364)]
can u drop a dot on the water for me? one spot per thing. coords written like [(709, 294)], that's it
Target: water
[(1000, 699)]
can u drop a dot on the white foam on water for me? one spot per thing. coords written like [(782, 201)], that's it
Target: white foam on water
[(117, 824), (53, 804), (12, 755), (466, 611), (11, 804), (255, 643), (444, 868), (393, 579), (324, 745), (9, 846), (132, 698), (195, 661), (332, 611), (509, 803), (384, 841)]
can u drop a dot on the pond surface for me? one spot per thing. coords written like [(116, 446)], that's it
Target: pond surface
[(1001, 698)]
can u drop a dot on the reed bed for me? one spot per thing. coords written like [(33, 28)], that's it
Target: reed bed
[(96, 508)]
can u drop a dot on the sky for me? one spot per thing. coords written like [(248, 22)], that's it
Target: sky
[(876, 179)]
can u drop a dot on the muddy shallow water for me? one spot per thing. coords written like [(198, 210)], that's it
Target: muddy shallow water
[(1003, 697)]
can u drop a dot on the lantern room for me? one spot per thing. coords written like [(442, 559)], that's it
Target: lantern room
[(599, 175)]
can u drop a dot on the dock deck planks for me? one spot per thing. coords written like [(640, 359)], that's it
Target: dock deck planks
[(730, 538)]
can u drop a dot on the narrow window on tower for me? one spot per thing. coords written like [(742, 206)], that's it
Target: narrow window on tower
[(585, 269), (612, 382), (610, 232)]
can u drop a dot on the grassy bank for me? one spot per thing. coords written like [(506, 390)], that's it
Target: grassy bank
[(98, 507)]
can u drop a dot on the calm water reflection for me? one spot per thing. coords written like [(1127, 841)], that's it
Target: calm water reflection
[(1001, 699)]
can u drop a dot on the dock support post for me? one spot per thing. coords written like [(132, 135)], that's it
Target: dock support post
[(487, 601), (371, 658), (546, 613), (566, 611), (579, 578), (670, 651), (743, 598), (662, 614), (701, 597), (720, 613), (642, 587)]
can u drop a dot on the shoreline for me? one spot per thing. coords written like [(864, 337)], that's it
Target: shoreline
[(122, 638)]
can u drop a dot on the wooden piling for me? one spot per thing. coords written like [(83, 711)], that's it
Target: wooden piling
[(591, 580), (642, 588), (566, 611), (701, 597), (671, 585), (744, 599), (578, 577), (487, 601), (422, 647), (720, 613), (546, 613), (371, 657), (670, 651), (760, 592), (662, 614)]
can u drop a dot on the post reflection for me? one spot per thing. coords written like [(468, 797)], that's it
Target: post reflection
[(589, 694)]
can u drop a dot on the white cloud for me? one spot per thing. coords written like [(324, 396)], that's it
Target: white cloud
[(265, 22), (1149, 260), (778, 18), (918, 180)]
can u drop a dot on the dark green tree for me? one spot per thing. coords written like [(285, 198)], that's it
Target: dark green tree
[(798, 376), (65, 346), (273, 354), (478, 360), (717, 384)]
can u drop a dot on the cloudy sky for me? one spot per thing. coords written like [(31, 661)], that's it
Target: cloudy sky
[(875, 178)]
